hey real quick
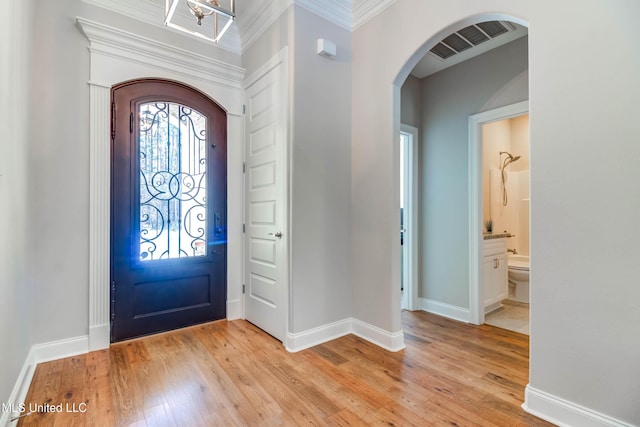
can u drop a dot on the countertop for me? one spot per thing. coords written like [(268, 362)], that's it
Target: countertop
[(489, 236)]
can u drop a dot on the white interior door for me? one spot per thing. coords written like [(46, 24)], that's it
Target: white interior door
[(265, 200)]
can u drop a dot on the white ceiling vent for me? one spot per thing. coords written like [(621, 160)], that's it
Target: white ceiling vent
[(469, 37)]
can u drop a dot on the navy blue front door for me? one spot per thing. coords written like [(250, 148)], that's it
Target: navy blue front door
[(168, 210)]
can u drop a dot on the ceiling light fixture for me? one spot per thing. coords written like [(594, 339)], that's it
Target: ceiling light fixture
[(208, 29)]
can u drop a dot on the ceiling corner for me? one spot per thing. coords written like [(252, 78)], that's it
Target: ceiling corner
[(365, 10), (338, 12), (257, 18)]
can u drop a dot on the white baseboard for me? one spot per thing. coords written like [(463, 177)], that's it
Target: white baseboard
[(234, 309), (493, 307), (303, 340), (20, 389), (60, 349), (99, 337), (40, 353), (392, 341), (564, 413), (445, 310)]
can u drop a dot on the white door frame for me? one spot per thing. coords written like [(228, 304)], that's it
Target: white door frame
[(476, 121), (410, 247)]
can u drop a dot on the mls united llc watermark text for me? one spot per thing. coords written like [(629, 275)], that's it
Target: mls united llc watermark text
[(33, 408)]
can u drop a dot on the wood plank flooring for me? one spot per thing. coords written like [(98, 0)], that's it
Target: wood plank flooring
[(233, 374)]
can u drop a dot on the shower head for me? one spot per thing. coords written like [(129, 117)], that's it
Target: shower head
[(509, 159), (509, 156)]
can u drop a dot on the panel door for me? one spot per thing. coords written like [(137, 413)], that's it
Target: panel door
[(168, 234), (265, 238)]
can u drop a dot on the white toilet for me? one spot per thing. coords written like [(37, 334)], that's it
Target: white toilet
[(519, 278)]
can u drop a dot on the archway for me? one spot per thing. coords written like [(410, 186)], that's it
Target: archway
[(451, 204)]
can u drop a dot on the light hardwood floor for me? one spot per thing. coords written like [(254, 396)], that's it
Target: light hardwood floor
[(232, 373)]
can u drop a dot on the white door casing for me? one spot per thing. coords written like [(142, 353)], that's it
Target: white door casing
[(409, 137), (266, 232)]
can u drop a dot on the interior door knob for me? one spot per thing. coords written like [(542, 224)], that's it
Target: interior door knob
[(278, 235)]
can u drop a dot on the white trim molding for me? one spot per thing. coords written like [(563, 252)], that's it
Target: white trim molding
[(256, 16), (410, 260), (348, 14), (445, 310), (391, 341), (303, 340), (99, 216), (338, 12), (260, 16), (365, 10), (114, 43), (19, 392), (257, 20), (563, 413), (60, 349), (235, 309)]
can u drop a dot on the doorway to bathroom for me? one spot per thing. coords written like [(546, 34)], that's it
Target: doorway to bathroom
[(499, 212)]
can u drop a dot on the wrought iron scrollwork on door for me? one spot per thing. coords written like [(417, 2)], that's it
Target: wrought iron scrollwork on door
[(172, 150)]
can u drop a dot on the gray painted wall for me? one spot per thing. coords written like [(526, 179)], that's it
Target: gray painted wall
[(491, 80), (15, 254), (411, 102), (59, 178), (583, 110), (320, 175)]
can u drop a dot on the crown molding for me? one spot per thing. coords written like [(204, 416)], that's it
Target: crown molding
[(152, 12), (365, 10), (335, 11), (258, 18), (347, 14), (134, 48)]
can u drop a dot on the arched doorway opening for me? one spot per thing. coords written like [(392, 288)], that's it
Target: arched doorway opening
[(449, 247)]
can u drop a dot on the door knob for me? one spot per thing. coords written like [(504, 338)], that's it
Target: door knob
[(278, 235)]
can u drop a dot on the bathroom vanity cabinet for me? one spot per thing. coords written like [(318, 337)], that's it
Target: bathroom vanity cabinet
[(495, 272)]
